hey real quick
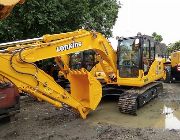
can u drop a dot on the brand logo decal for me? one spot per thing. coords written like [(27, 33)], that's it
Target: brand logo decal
[(69, 46)]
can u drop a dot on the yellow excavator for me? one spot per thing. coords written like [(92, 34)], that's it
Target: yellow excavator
[(173, 67), (134, 70)]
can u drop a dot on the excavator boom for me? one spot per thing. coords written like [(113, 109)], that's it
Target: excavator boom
[(17, 64)]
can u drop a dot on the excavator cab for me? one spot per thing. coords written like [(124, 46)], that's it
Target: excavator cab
[(84, 59), (135, 54), (129, 58)]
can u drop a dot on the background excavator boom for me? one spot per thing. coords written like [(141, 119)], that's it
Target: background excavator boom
[(6, 7)]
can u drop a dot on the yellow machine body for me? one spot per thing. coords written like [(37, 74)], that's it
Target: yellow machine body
[(175, 58), (156, 72), (175, 65)]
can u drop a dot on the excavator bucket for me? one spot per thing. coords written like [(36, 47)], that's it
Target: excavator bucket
[(85, 88)]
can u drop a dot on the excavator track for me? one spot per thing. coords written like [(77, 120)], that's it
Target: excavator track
[(134, 98), (127, 103)]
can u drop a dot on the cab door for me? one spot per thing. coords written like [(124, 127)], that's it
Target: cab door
[(129, 57), (148, 54)]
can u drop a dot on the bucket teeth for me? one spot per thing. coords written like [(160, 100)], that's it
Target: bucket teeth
[(83, 71), (78, 72)]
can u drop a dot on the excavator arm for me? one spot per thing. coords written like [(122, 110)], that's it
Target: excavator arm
[(17, 64)]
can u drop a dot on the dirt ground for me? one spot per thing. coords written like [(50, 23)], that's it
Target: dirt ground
[(39, 120)]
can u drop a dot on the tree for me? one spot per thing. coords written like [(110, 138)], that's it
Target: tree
[(174, 46), (157, 37), (38, 17)]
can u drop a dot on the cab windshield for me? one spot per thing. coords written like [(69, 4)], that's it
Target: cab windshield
[(128, 59), (85, 59), (76, 60)]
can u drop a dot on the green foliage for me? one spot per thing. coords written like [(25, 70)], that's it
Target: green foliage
[(157, 37), (174, 46), (38, 17)]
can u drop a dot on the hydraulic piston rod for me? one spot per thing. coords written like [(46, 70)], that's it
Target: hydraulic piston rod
[(21, 42)]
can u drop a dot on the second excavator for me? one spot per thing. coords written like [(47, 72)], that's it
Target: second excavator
[(173, 67)]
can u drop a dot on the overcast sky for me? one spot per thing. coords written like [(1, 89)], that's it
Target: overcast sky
[(148, 16)]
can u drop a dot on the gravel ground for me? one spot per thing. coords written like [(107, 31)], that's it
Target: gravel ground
[(39, 120)]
